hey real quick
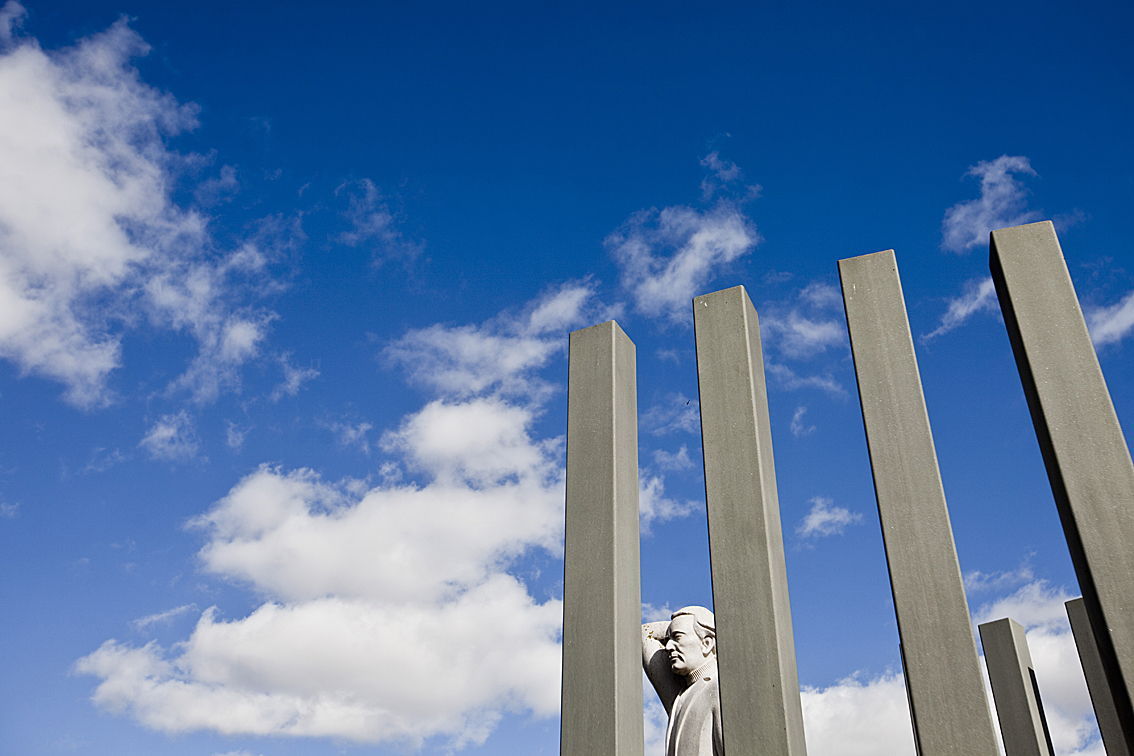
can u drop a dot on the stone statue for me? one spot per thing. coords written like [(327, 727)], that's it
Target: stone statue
[(680, 660)]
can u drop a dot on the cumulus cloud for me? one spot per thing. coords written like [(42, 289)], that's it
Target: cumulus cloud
[(1039, 607), (381, 618), (667, 257), (1001, 203), (856, 718), (826, 520), (12, 17), (805, 327), (979, 295), (678, 460), (500, 354), (90, 241), (172, 438), (655, 506), (1109, 325)]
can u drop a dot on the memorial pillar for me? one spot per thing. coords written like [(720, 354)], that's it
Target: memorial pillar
[(1087, 460), (943, 680), (761, 711), (602, 605), (1106, 714), (1014, 687)]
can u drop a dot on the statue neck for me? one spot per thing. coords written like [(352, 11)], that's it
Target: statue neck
[(708, 671)]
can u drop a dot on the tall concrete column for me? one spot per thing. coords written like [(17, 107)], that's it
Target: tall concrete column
[(602, 595), (759, 686), (1014, 687), (1087, 460), (1106, 714), (946, 692)]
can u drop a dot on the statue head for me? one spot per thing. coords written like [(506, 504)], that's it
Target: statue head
[(692, 639)]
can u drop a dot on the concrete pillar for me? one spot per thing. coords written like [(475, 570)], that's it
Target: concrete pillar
[(759, 686), (1088, 463), (946, 692), (1106, 714), (1018, 704), (602, 598)]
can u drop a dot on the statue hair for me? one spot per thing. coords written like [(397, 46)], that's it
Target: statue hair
[(705, 623)]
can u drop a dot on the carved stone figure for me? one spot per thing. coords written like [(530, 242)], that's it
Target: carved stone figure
[(680, 660)]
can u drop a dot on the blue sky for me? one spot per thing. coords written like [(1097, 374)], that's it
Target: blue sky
[(284, 301)]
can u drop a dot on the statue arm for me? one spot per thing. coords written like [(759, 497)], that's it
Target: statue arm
[(655, 663)]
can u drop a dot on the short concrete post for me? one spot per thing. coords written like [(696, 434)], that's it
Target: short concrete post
[(1105, 712), (1088, 462), (761, 711), (1014, 687), (602, 599), (946, 692)]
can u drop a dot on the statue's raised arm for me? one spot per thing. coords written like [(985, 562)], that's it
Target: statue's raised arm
[(680, 661)]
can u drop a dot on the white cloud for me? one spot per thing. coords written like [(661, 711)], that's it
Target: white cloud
[(234, 435), (654, 506), (853, 718), (90, 240), (724, 175), (1001, 204), (678, 460), (807, 327), (667, 257), (1039, 607), (351, 435), (825, 520), (383, 604), (294, 378), (977, 581), (401, 583), (979, 295), (500, 354), (1109, 325), (9, 511), (798, 428), (788, 379), (675, 415), (373, 223), (172, 438), (12, 17), (153, 619)]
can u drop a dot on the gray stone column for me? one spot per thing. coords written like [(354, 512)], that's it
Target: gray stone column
[(759, 686), (946, 692), (1106, 714), (1088, 463), (1018, 704), (602, 598)]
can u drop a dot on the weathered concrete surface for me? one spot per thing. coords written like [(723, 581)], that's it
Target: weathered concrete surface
[(1105, 712), (947, 702), (1018, 704), (1088, 462), (759, 685), (602, 609)]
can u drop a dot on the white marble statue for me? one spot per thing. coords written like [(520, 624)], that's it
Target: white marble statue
[(680, 659)]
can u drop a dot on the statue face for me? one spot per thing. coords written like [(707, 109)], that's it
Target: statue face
[(686, 651)]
